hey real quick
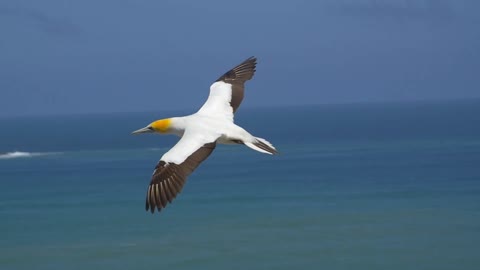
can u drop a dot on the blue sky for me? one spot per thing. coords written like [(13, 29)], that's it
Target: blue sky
[(62, 57)]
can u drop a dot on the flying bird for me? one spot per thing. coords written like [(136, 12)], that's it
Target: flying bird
[(200, 132)]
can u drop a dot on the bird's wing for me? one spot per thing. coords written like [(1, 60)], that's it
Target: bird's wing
[(172, 170), (226, 93)]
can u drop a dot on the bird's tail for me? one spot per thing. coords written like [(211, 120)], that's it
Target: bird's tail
[(262, 145)]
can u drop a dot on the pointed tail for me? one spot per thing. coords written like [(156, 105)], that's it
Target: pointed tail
[(262, 145)]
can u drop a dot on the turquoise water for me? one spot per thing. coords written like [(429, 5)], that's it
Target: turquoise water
[(393, 186)]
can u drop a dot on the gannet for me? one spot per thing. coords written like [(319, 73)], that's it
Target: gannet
[(200, 132)]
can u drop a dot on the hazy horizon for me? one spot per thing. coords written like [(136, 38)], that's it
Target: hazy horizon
[(250, 109)]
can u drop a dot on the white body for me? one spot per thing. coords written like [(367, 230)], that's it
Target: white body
[(213, 122), (198, 129)]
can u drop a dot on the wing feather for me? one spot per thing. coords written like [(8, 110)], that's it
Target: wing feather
[(227, 92), (168, 178)]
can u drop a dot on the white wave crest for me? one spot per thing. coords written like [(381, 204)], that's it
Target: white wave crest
[(18, 154)]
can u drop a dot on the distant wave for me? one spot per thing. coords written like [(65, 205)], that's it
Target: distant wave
[(18, 154)]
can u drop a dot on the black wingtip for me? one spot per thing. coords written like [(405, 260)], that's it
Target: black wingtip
[(266, 147), (241, 72)]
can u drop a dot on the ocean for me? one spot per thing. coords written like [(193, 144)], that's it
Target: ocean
[(356, 186)]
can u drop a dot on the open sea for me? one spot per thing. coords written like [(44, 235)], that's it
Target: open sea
[(357, 186)]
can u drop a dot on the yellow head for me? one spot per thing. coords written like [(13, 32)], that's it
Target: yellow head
[(160, 126)]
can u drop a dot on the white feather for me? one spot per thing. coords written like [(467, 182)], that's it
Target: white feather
[(191, 141), (212, 123), (218, 102), (256, 148), (266, 142)]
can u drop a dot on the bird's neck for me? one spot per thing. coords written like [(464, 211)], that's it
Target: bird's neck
[(177, 126)]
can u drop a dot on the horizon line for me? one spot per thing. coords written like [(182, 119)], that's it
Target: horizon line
[(254, 108)]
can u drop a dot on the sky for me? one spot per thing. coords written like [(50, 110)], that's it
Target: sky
[(68, 57)]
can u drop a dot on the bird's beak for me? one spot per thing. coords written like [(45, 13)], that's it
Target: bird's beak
[(143, 130)]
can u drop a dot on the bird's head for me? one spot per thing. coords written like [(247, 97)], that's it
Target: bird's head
[(159, 126)]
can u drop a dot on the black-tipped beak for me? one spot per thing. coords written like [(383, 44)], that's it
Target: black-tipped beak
[(143, 130)]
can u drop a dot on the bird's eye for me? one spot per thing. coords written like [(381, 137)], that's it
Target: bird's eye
[(150, 128)]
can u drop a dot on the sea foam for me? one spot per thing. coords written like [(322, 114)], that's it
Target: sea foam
[(19, 154)]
